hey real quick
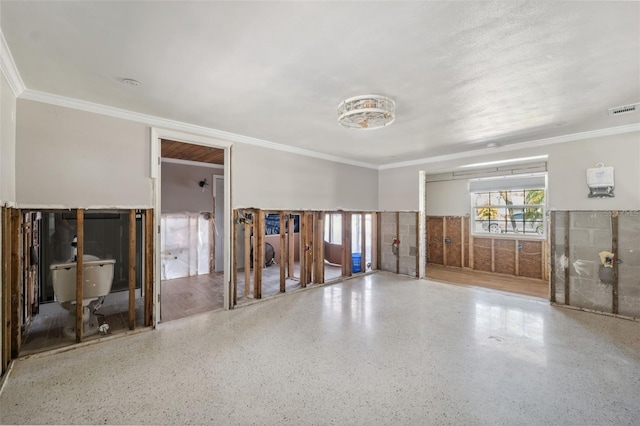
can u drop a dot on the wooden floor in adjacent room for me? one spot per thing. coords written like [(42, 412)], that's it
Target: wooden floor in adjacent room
[(509, 283)]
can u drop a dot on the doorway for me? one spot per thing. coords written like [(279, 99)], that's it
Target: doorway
[(192, 229)]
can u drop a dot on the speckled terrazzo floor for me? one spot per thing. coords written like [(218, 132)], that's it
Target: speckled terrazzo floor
[(378, 349)]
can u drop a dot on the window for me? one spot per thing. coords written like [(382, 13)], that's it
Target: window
[(333, 228), (509, 211)]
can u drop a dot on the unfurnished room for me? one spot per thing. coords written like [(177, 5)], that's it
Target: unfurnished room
[(320, 212)]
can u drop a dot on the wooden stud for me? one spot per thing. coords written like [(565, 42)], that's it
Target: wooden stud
[(462, 257), (471, 265), (302, 249), (283, 252), (291, 247), (16, 306), (79, 272), (517, 258), (132, 269), (247, 258), (398, 237), (234, 263), (363, 242), (614, 250), (148, 267), (567, 225), (493, 255), (6, 288), (320, 248), (444, 245), (258, 253), (418, 245), (310, 247), (552, 277), (375, 241), (346, 245)]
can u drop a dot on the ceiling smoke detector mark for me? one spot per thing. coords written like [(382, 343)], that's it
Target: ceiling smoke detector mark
[(625, 109)]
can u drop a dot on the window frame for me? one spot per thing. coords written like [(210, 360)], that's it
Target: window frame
[(505, 225)]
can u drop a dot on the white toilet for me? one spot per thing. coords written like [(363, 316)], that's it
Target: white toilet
[(98, 277)]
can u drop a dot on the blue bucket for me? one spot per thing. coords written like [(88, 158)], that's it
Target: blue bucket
[(356, 262)]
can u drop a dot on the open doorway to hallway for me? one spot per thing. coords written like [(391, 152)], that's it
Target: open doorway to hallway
[(191, 229)]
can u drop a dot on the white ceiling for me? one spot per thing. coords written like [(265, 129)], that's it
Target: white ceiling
[(462, 73)]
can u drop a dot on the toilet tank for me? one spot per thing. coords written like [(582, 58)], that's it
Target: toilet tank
[(97, 275)]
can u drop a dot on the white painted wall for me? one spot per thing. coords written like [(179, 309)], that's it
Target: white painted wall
[(180, 190), (271, 179), (7, 142), (567, 164), (71, 158), (449, 198)]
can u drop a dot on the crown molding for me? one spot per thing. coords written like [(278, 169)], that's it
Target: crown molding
[(9, 68), (154, 121), (609, 131)]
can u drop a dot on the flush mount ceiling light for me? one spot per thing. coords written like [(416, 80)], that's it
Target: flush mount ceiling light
[(366, 112)]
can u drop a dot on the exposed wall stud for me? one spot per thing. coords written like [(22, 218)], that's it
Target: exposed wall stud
[(258, 253), (398, 237), (291, 249), (79, 272), (283, 252), (132, 269), (614, 250), (16, 284), (552, 255), (248, 227), (148, 267), (567, 226)]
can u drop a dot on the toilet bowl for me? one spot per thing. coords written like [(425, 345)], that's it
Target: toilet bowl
[(98, 277)]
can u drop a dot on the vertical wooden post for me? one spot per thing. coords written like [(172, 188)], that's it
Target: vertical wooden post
[(247, 257), (79, 272), (567, 252), (517, 258), (302, 249), (258, 253), (614, 250), (444, 244), (283, 252), (346, 244), (148, 267), (398, 237), (363, 242), (375, 247), (311, 247), (418, 245), (6, 290), (493, 255), (234, 265), (16, 306), (319, 252), (462, 256), (291, 248), (132, 269), (552, 255)]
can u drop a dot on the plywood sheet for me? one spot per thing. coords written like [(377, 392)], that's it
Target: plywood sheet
[(504, 252), (454, 246), (434, 240), (482, 254), (530, 258)]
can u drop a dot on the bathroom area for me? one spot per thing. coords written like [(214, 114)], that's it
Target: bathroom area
[(110, 244)]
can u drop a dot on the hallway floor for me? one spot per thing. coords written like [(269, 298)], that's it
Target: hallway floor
[(376, 349)]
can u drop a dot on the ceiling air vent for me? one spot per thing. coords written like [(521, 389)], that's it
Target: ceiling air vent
[(625, 109)]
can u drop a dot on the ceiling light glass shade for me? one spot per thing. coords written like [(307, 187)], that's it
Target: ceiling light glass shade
[(366, 112)]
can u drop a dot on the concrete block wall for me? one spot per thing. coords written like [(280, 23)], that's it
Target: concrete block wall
[(629, 268), (591, 232), (408, 250), (387, 234)]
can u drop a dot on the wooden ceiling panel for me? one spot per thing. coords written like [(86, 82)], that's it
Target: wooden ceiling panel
[(191, 152)]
